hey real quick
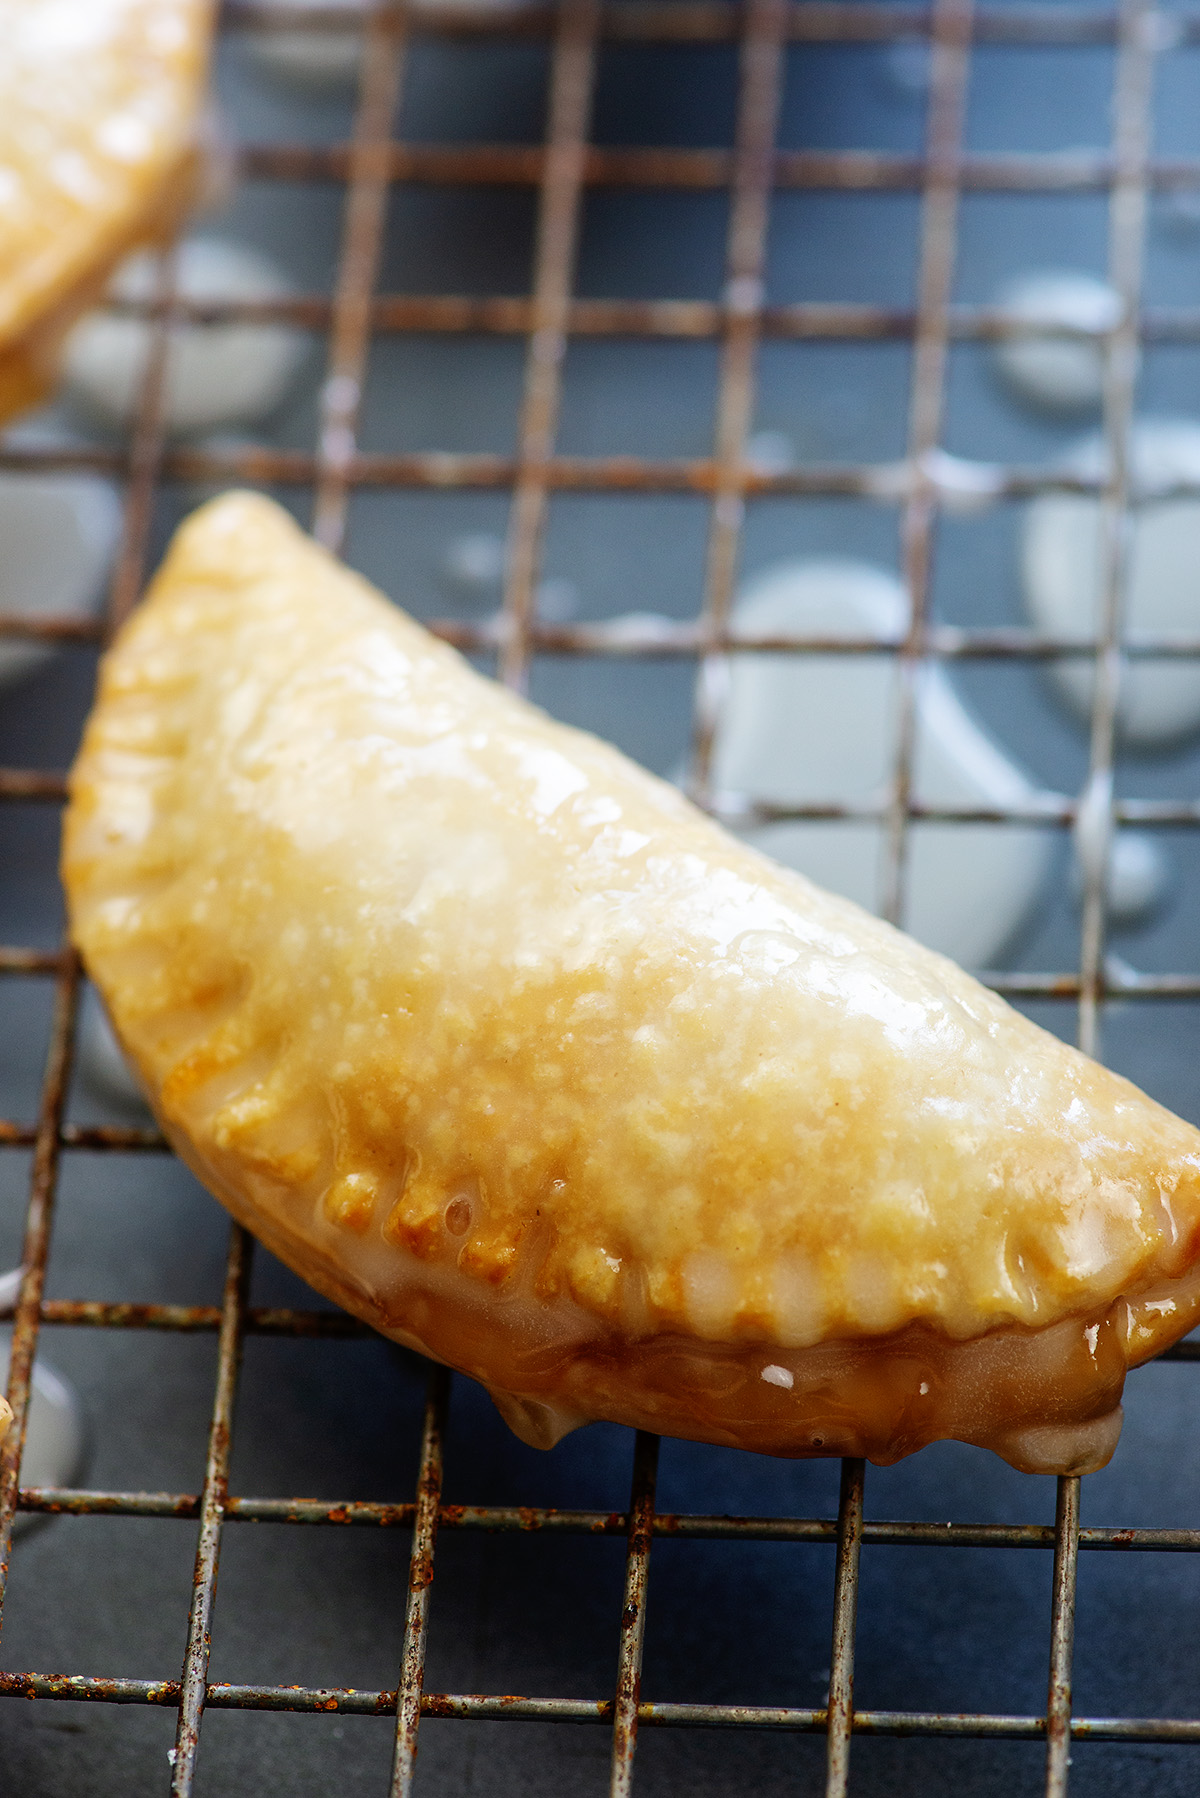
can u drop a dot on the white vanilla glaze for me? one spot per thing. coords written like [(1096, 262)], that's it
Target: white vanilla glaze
[(1057, 361), (218, 374), (1062, 565), (58, 536), (822, 729)]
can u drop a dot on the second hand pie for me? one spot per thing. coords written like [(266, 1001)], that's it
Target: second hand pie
[(98, 104), (504, 1046)]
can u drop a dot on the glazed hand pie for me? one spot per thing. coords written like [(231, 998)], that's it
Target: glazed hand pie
[(501, 1044), (98, 104)]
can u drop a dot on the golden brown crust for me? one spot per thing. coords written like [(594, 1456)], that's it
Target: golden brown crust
[(473, 1020), (98, 104)]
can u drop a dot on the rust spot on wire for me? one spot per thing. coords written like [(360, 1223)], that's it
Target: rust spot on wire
[(511, 1707), (193, 1685), (759, 99), (82, 1501), (1062, 1637), (512, 315), (411, 1684), (383, 66), (31, 961), (840, 1713), (1133, 90), (951, 22), (35, 1250), (263, 1321), (688, 170), (146, 444), (625, 1709), (886, 484), (572, 75), (74, 1686), (28, 783)]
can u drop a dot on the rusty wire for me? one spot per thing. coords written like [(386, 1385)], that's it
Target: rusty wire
[(841, 1720), (426, 1514), (719, 21), (563, 169), (759, 100), (1127, 233), (212, 1503), (641, 1527), (950, 48), (572, 79), (367, 192)]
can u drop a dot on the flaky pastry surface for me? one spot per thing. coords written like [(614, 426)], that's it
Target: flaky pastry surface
[(98, 102), (457, 1007)]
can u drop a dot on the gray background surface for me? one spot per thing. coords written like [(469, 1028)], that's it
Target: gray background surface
[(953, 1630)]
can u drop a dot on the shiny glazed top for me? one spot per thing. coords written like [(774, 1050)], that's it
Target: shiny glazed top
[(410, 965)]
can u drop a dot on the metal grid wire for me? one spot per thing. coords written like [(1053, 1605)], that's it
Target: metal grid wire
[(562, 169)]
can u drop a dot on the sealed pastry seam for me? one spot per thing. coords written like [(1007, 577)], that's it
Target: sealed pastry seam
[(505, 1046)]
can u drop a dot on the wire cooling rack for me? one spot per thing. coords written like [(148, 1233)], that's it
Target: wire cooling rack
[(562, 170)]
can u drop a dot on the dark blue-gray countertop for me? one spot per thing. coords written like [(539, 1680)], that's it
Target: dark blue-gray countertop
[(938, 1629)]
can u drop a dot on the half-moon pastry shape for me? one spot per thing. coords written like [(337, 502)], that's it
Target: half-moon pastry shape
[(98, 105), (503, 1045)]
